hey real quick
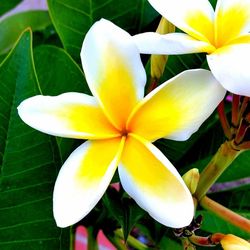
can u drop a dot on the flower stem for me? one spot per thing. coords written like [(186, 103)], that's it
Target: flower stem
[(225, 155), (235, 110), (245, 145), (241, 132), (243, 106), (133, 242), (92, 243), (223, 120), (209, 241), (117, 242), (225, 213), (72, 238)]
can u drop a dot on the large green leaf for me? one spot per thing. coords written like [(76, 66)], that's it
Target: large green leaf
[(12, 26), (73, 18), (64, 76), (29, 162), (6, 5), (238, 169)]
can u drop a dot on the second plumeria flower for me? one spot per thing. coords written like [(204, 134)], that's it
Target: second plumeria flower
[(222, 33), (120, 125)]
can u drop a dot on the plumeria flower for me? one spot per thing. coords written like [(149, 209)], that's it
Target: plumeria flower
[(120, 125), (232, 242), (222, 34)]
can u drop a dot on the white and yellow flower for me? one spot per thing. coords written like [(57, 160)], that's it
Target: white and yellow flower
[(222, 33), (120, 125), (232, 242)]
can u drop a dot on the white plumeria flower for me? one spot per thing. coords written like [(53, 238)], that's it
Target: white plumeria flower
[(120, 125), (222, 33)]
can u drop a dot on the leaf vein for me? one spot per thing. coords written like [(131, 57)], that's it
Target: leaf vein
[(73, 8)]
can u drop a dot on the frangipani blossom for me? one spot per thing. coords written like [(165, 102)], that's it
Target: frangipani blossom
[(120, 125), (222, 33), (232, 242)]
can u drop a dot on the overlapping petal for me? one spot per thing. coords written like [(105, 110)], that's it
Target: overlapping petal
[(195, 17), (230, 66), (170, 44), (232, 18), (84, 178), (149, 178), (178, 107), (72, 115), (232, 242), (113, 70)]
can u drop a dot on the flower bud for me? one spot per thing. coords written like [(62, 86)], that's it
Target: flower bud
[(191, 179), (232, 242)]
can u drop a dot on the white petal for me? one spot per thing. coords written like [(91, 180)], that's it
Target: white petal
[(177, 108), (153, 182), (170, 44), (72, 115), (113, 70), (230, 66), (84, 178)]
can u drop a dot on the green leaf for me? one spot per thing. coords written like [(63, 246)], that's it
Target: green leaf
[(238, 169), (168, 243), (6, 5), (64, 76), (10, 31), (178, 63), (2, 57), (28, 162), (213, 3), (73, 18)]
